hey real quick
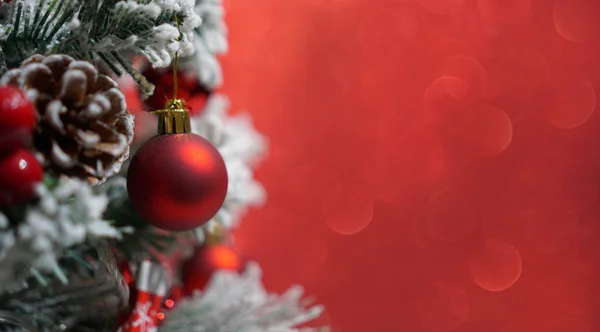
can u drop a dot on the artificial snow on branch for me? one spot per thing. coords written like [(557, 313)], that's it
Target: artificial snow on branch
[(234, 302), (241, 147), (100, 29), (211, 41), (67, 213)]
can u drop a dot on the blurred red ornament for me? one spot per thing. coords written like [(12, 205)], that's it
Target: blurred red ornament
[(127, 273), (19, 172), (197, 271), (177, 181), (17, 118), (188, 88)]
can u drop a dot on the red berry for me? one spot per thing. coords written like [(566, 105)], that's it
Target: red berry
[(19, 172), (17, 118)]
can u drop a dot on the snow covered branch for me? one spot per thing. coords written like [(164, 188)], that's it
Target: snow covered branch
[(100, 29), (68, 213), (211, 41), (234, 302)]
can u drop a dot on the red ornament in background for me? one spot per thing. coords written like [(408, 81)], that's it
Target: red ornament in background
[(19, 172), (197, 271), (188, 88), (177, 181), (17, 118), (125, 269)]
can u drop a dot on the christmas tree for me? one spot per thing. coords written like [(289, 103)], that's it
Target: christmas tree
[(103, 226)]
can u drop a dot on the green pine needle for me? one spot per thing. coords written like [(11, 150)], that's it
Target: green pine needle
[(87, 30)]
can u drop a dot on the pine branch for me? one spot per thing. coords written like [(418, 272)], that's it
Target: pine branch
[(33, 237), (110, 30), (94, 293), (239, 302)]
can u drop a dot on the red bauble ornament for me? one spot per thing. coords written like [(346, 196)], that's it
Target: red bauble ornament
[(19, 172), (177, 182), (197, 271), (188, 88), (17, 118)]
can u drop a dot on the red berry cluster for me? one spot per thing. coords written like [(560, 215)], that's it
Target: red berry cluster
[(188, 89), (19, 168)]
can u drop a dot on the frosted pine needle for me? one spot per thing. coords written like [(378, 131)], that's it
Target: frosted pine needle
[(239, 302), (66, 215)]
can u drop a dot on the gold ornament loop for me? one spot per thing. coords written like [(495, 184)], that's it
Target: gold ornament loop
[(174, 118)]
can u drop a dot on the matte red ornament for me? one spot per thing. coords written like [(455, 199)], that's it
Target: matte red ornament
[(188, 88), (177, 182), (197, 271), (17, 118), (19, 172)]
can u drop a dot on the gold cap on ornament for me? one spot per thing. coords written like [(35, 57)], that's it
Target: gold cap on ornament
[(174, 118), (215, 234)]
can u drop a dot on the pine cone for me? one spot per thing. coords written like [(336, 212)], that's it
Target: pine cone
[(84, 128)]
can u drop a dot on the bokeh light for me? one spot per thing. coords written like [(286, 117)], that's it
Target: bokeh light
[(445, 98), (496, 265), (415, 141), (347, 208), (570, 102), (577, 20), (487, 130), (465, 68)]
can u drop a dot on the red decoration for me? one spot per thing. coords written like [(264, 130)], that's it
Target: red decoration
[(151, 287), (174, 295), (177, 182), (125, 269), (197, 271), (17, 118), (188, 89), (19, 172)]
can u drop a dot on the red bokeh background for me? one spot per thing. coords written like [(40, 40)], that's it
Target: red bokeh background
[(434, 164)]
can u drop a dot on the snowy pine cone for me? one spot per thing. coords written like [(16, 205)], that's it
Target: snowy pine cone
[(84, 128)]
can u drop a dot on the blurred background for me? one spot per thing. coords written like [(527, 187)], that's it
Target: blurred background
[(434, 164)]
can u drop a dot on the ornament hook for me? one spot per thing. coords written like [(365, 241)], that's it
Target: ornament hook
[(174, 118), (176, 62)]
